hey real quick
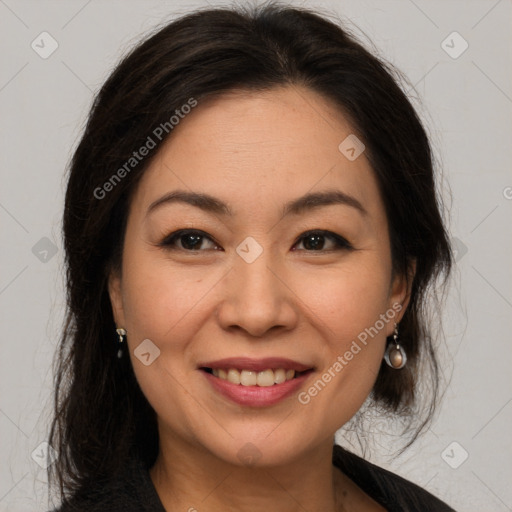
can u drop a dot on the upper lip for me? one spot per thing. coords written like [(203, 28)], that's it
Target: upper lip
[(256, 365)]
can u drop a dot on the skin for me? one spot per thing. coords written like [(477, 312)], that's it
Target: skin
[(255, 152)]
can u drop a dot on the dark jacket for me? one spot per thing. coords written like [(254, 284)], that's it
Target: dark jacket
[(133, 491)]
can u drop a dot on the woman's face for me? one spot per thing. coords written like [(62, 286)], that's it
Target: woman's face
[(262, 276)]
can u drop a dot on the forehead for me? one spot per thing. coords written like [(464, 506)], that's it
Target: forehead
[(253, 148)]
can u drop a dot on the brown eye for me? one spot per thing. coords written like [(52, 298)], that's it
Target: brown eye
[(188, 240), (323, 241)]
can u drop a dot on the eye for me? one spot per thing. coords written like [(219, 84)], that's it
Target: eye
[(195, 240), (322, 241), (189, 240)]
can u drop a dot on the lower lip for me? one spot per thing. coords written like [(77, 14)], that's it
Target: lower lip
[(256, 396)]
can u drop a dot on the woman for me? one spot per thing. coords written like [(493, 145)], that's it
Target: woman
[(251, 227)]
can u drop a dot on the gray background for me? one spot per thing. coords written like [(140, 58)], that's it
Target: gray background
[(466, 103)]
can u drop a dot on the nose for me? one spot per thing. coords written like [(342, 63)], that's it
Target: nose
[(257, 298)]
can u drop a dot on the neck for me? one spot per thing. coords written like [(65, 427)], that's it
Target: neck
[(187, 478)]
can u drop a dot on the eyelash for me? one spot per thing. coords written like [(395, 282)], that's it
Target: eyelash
[(340, 243)]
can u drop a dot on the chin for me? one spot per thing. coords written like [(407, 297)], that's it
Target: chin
[(259, 446)]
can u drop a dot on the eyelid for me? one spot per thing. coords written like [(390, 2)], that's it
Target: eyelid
[(172, 237), (340, 241)]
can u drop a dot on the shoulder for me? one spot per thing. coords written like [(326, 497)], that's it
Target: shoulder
[(388, 489), (131, 490)]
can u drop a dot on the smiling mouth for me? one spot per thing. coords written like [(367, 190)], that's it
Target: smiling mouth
[(266, 378)]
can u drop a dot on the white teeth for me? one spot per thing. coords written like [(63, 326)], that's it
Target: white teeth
[(279, 376), (248, 378), (264, 378), (233, 376)]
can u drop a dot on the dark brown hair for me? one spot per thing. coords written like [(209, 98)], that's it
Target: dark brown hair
[(101, 417)]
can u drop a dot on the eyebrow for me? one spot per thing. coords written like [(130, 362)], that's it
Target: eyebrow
[(297, 206)]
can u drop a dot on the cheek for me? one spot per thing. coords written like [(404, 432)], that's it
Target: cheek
[(158, 297), (347, 308), (162, 304), (348, 300)]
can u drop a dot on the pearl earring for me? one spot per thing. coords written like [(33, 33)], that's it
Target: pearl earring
[(395, 355), (122, 334)]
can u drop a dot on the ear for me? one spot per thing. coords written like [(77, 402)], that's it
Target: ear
[(116, 297), (400, 294)]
